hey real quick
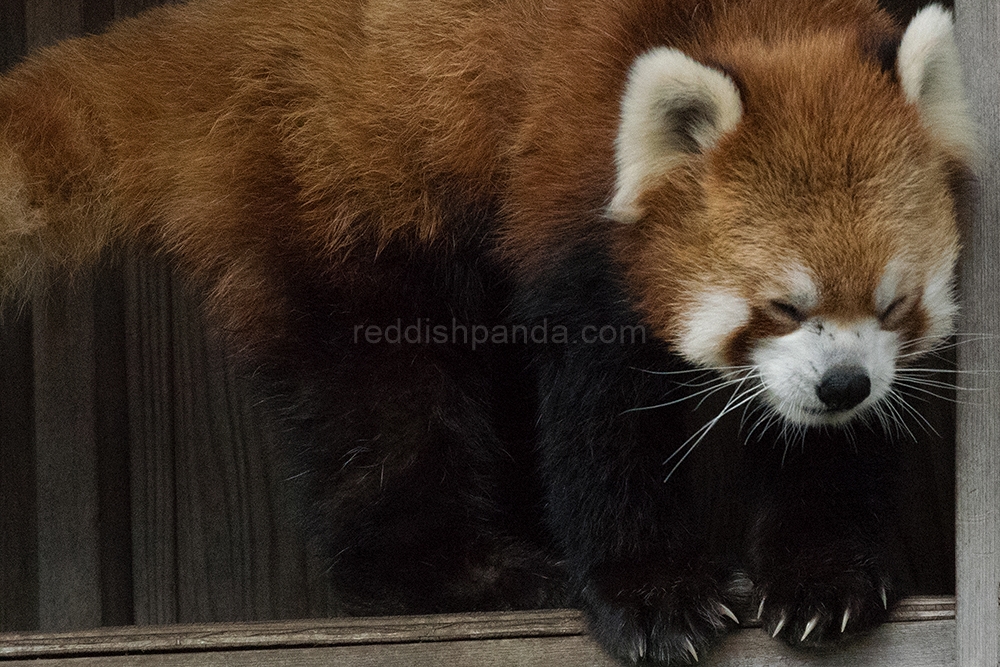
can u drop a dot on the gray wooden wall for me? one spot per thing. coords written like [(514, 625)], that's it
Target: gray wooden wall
[(134, 477), (136, 486), (978, 510)]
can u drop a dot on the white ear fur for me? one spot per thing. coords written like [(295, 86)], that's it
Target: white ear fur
[(931, 75), (673, 106)]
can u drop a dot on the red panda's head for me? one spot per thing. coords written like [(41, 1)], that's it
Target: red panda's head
[(788, 212)]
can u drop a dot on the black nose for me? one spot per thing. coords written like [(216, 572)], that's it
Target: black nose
[(843, 387)]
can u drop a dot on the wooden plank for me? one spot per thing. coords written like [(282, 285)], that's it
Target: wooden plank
[(83, 571), (48, 21), (18, 518), (978, 431), (929, 645), (223, 510), (550, 652), (66, 455), (150, 375), (111, 433), (213, 539), (95, 15), (239, 556), (12, 32), (921, 634), (18, 509), (150, 553), (357, 631), (133, 7)]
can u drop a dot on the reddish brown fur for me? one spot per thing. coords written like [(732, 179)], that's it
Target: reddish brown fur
[(247, 137), (877, 186)]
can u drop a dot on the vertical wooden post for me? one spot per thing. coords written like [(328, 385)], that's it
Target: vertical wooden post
[(18, 506), (66, 451), (81, 446), (978, 429), (66, 475)]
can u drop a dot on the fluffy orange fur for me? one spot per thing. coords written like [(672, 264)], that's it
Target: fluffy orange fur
[(765, 185), (856, 183), (238, 135)]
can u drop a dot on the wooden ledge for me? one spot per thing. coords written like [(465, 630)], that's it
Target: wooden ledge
[(921, 633)]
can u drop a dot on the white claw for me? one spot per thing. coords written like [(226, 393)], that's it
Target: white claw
[(642, 648), (885, 599), (843, 621), (726, 611), (760, 609), (810, 626), (690, 649), (778, 627)]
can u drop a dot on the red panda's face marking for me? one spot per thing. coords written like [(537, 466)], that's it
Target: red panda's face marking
[(814, 361), (826, 373), (806, 237)]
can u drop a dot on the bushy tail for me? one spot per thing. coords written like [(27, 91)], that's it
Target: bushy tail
[(54, 180), (149, 132)]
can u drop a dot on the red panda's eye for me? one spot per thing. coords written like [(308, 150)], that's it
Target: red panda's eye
[(787, 310), (894, 311)]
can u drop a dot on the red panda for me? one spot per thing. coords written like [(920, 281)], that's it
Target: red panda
[(471, 252)]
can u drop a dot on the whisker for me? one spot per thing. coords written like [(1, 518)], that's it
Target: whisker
[(748, 411), (926, 394), (906, 349), (917, 381), (893, 404), (736, 401), (768, 416), (718, 384), (921, 419), (702, 383), (929, 370), (887, 425), (934, 384), (851, 435), (792, 434), (703, 371)]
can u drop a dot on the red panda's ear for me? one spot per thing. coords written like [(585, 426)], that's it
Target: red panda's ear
[(931, 75), (673, 106)]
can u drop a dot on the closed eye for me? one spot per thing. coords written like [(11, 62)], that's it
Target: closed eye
[(892, 313), (786, 310)]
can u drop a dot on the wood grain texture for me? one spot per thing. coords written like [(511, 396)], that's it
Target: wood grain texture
[(213, 539), (66, 455), (18, 507), (150, 388), (238, 556), (113, 446), (48, 21), (921, 635), (978, 431), (12, 32)]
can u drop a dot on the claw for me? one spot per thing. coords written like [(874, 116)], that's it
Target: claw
[(843, 621), (885, 598), (637, 651), (726, 611), (778, 627), (689, 647), (760, 609), (810, 626)]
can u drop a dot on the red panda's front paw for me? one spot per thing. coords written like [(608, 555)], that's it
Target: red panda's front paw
[(656, 620), (825, 610)]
